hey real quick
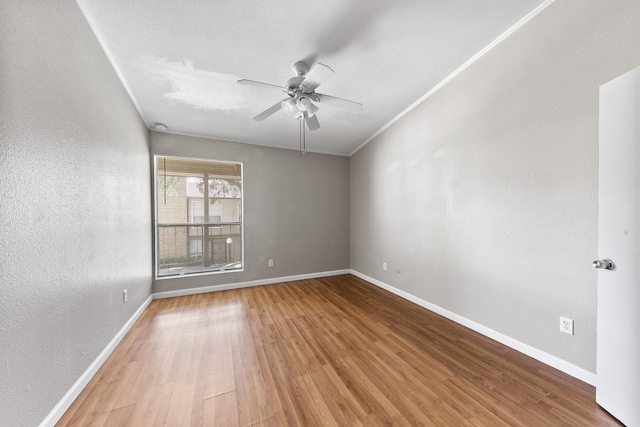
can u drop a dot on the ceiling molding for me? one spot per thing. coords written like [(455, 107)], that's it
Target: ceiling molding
[(111, 59), (164, 56), (460, 69)]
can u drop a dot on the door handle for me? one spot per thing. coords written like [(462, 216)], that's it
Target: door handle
[(606, 264)]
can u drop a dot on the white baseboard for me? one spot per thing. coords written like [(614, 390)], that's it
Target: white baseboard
[(238, 285), (58, 411), (542, 356)]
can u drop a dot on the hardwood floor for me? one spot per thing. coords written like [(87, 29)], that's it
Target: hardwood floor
[(336, 351)]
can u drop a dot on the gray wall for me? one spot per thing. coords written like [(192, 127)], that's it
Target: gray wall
[(296, 209), (485, 195), (75, 218)]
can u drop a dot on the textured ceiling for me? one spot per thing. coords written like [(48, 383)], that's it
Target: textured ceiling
[(180, 60)]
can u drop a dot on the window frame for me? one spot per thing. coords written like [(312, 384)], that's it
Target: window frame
[(155, 207)]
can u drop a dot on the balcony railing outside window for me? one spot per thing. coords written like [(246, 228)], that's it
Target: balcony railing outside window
[(190, 248)]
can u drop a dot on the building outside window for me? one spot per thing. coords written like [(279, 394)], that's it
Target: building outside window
[(198, 216)]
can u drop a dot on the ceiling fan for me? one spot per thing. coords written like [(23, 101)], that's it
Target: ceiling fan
[(301, 92)]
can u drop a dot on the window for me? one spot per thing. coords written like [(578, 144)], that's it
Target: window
[(198, 216)]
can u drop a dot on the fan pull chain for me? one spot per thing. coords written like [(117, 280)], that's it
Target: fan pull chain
[(303, 142)]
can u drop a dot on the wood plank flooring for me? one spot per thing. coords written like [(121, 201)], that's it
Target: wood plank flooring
[(336, 351)]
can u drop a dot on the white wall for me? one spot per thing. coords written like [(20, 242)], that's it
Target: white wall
[(75, 218), (485, 195), (296, 209)]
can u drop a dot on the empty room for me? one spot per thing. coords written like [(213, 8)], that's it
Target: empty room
[(339, 213)]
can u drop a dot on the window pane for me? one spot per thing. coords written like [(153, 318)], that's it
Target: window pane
[(198, 226)]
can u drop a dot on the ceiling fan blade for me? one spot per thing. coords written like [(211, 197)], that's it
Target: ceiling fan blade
[(351, 106), (259, 84), (269, 111), (312, 122), (319, 74)]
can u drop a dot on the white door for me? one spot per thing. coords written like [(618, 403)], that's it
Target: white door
[(618, 363)]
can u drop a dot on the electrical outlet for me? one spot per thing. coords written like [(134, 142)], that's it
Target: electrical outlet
[(125, 296), (384, 266), (270, 263), (566, 325)]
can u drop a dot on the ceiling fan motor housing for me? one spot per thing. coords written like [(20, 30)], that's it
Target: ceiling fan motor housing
[(293, 83)]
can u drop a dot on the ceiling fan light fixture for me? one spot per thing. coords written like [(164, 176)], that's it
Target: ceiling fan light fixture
[(289, 105), (305, 104)]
